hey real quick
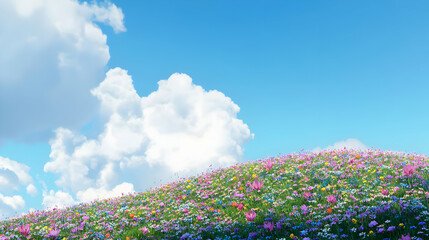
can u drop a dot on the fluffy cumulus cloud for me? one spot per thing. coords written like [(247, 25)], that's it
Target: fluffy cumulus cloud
[(52, 54), (13, 176), (178, 129), (351, 143)]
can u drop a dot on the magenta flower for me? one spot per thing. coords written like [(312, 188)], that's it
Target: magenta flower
[(199, 218), (144, 230), (185, 211), (269, 225), (250, 215), (409, 170), (256, 185), (240, 206), (304, 208), (331, 199), (24, 229), (268, 165), (405, 237), (385, 192)]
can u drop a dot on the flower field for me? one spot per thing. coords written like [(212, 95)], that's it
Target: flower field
[(342, 194)]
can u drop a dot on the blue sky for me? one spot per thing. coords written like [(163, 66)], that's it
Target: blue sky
[(305, 75)]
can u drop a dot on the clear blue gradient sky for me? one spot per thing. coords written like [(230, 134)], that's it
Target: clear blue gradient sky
[(305, 74)]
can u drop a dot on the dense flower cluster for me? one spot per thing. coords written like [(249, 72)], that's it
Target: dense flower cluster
[(342, 194)]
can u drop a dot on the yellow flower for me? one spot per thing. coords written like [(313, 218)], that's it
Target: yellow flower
[(326, 164), (371, 232), (323, 189), (381, 178), (401, 225), (291, 235), (354, 221)]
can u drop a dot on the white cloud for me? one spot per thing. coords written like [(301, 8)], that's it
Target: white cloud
[(109, 14), (180, 128), (31, 189), (57, 199), (13, 175), (91, 194), (10, 206), (52, 54), (351, 143)]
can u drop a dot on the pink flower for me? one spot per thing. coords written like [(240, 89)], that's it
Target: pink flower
[(304, 208), (238, 194), (331, 199), (250, 215), (144, 230), (395, 189), (307, 195), (185, 211), (385, 192), (256, 185), (268, 165), (409, 170), (24, 229), (199, 218), (240, 206)]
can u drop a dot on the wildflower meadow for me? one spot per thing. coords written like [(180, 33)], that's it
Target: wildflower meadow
[(339, 194)]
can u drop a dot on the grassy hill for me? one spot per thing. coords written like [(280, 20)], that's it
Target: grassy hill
[(330, 195)]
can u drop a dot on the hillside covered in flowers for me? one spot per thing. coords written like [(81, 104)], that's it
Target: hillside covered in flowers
[(341, 194)]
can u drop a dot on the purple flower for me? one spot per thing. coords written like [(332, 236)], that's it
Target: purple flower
[(391, 228), (373, 223), (269, 225), (54, 233), (279, 225), (405, 237), (304, 208)]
